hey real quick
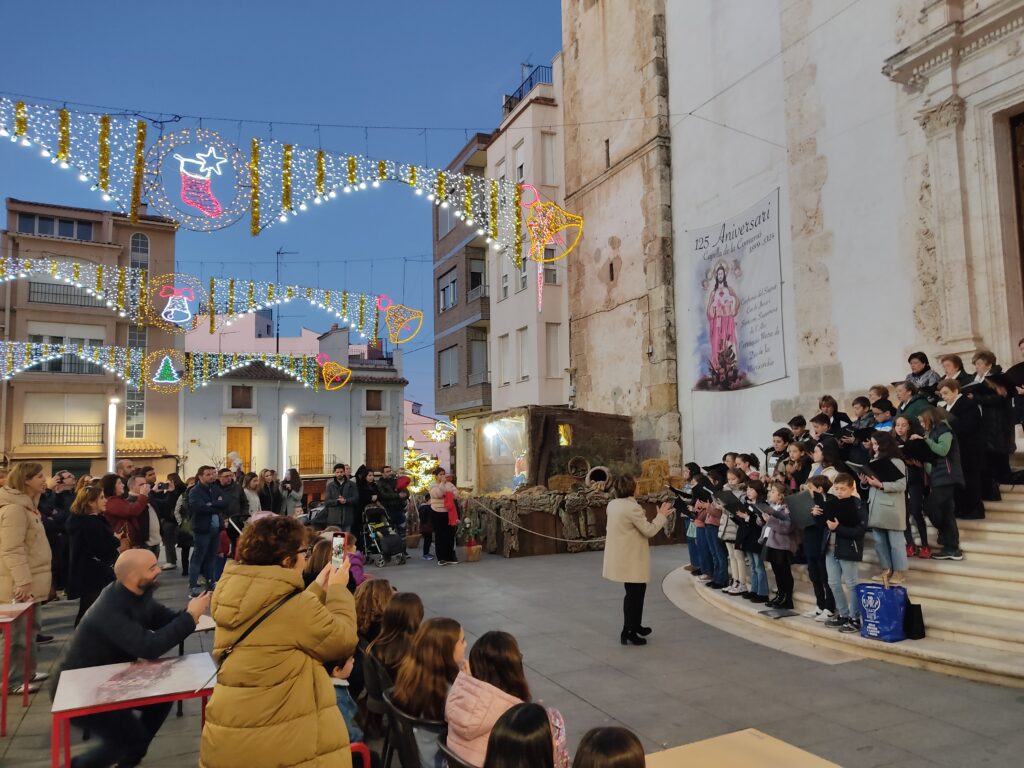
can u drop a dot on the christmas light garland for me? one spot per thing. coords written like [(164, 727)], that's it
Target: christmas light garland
[(172, 301)]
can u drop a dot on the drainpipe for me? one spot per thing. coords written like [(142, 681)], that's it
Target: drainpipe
[(7, 337)]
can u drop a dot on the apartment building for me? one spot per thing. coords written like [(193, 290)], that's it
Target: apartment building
[(56, 413), (529, 340), (462, 311)]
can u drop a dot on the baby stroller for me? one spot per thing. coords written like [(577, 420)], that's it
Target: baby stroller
[(382, 541)]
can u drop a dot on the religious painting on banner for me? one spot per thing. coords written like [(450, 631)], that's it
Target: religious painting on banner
[(737, 291)]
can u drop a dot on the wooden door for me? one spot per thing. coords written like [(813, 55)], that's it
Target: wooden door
[(311, 451), (239, 440), (376, 447)]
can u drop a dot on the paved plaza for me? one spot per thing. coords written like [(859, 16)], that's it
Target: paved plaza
[(693, 681)]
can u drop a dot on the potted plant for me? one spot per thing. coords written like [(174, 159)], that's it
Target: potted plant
[(467, 531)]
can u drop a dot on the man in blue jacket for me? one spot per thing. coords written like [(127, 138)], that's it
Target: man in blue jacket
[(126, 624), (206, 506)]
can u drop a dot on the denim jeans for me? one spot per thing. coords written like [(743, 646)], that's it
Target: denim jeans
[(703, 553), (842, 577), (758, 574), (204, 547), (891, 548), (718, 558), (691, 548)]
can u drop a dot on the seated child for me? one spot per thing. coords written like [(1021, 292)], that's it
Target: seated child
[(339, 672)]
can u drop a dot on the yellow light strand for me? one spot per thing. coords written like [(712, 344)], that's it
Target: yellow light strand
[(270, 293), (252, 296), (20, 119), (344, 304), (110, 358), (467, 201), (139, 168), (320, 173), (206, 367), (413, 175), (382, 170), (362, 311), (351, 170), (376, 327), (517, 254), (231, 297), (53, 268), (103, 182), (289, 293), (64, 143), (440, 190), (99, 278), (254, 189), (122, 282), (494, 209), (76, 272), (286, 178), (213, 306)]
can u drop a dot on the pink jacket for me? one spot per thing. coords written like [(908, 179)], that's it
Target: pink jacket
[(472, 709)]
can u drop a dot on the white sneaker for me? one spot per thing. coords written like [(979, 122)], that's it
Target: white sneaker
[(813, 613), (32, 688), (705, 577), (824, 615), (167, 567), (40, 677)]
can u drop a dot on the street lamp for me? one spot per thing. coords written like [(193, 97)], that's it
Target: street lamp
[(284, 439), (111, 432), (410, 443)]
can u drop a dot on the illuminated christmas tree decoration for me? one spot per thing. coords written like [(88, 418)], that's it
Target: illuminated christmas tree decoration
[(166, 374)]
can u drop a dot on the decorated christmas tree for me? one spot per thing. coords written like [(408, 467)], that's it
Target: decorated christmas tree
[(166, 374), (420, 467)]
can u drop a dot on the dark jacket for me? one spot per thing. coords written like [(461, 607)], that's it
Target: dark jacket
[(93, 552), (121, 513), (847, 541), (122, 626), (913, 408), (55, 508), (947, 469), (997, 422), (387, 494), (346, 490), (966, 424), (234, 500), (748, 533), (271, 498), (839, 422), (816, 535), (204, 501)]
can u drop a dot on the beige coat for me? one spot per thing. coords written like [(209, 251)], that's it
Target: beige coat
[(274, 703), (627, 556), (24, 550), (887, 506)]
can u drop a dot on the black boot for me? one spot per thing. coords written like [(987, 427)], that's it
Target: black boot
[(644, 631), (775, 600), (786, 601), (629, 636)]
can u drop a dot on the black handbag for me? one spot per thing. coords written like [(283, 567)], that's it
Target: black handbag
[(913, 621)]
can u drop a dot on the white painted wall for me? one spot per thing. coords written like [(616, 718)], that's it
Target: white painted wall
[(734, 46)]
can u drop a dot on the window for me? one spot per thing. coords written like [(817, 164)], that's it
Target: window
[(477, 356), (44, 225), (374, 400), (66, 228), (31, 224), (547, 148), (447, 286), (554, 365), (26, 223), (83, 230), (134, 412), (448, 366), (137, 336), (520, 163), (550, 272), (521, 284), (241, 397), (499, 170), (503, 366), (504, 286), (445, 220), (523, 354), (140, 251), (476, 273)]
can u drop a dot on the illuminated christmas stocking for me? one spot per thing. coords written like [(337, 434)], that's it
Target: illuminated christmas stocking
[(196, 191)]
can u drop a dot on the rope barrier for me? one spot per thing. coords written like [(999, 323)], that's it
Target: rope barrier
[(535, 533)]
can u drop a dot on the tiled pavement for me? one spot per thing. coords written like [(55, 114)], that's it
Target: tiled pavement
[(692, 681)]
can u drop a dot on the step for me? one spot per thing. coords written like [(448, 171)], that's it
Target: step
[(964, 659), (958, 626), (987, 530), (999, 572), (990, 553)]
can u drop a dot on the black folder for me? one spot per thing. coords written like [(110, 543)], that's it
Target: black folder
[(883, 469), (919, 451), (800, 506)]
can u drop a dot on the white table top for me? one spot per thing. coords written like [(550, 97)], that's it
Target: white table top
[(114, 683), (11, 612), (205, 624)]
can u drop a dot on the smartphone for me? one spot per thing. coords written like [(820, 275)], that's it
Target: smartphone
[(338, 549)]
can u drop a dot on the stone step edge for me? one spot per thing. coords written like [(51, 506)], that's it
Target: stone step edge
[(964, 569), (956, 659)]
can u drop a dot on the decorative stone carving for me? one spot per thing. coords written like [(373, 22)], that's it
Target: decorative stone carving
[(947, 115)]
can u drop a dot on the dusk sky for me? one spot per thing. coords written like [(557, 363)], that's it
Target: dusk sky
[(442, 65)]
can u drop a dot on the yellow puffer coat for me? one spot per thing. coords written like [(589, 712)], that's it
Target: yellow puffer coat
[(274, 704), (24, 550)]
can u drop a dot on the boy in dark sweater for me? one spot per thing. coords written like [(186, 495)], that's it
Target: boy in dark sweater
[(846, 518)]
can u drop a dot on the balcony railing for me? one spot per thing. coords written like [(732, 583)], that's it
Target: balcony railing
[(51, 293), (479, 378), (363, 362), (63, 434), (475, 293), (313, 464), (538, 76)]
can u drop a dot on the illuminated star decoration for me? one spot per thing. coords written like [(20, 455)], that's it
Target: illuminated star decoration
[(206, 166)]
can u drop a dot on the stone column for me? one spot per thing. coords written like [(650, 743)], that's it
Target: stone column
[(943, 125)]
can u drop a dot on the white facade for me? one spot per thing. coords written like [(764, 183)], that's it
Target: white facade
[(898, 230), (529, 348)]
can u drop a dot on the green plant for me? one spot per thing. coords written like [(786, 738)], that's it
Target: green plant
[(468, 529)]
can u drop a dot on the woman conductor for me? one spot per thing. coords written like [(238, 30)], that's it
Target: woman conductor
[(626, 556)]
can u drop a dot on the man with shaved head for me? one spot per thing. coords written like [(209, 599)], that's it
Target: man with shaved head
[(125, 624)]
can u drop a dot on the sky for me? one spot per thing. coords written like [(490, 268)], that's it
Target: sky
[(441, 65)]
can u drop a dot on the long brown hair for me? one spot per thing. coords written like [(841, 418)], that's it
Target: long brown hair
[(428, 670), (319, 557), (609, 747), (86, 499), (372, 597), (496, 659), (402, 617)]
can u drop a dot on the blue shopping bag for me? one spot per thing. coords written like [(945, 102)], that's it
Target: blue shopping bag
[(881, 612)]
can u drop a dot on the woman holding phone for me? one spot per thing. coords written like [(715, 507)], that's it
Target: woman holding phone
[(627, 558)]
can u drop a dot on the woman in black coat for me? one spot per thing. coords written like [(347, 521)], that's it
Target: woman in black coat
[(997, 429), (94, 548)]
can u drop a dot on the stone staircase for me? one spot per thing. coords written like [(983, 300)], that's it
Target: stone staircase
[(973, 609)]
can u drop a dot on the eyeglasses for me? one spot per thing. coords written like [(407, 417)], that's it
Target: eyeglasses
[(307, 551)]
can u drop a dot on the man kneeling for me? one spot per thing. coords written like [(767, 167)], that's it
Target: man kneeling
[(126, 624)]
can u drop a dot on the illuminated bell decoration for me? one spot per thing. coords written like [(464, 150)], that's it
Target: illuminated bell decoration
[(335, 375), (177, 310), (546, 223), (403, 323), (173, 300)]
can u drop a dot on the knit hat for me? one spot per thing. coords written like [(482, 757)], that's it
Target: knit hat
[(403, 482)]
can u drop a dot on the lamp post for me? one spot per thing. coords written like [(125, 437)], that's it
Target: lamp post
[(112, 432), (284, 439), (410, 442)]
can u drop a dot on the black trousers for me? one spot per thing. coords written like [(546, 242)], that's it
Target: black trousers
[(428, 539), (781, 561), (633, 607), (915, 511), (940, 508), (816, 572), (84, 601), (123, 735), (444, 536)]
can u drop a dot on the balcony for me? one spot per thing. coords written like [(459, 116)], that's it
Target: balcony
[(313, 464), (51, 293), (479, 378), (539, 75), (480, 291), (63, 434)]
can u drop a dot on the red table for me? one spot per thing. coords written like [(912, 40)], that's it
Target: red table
[(9, 614), (111, 687)]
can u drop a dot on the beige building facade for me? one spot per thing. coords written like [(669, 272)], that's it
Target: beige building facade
[(57, 414)]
